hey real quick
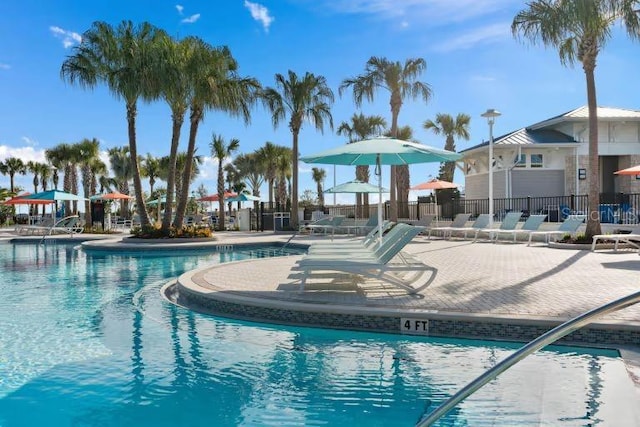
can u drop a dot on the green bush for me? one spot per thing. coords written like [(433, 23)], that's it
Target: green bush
[(152, 232)]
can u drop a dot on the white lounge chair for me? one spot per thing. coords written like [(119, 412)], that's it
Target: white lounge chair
[(481, 222), (569, 226), (459, 222), (532, 224), (370, 263), (509, 222), (632, 238), (370, 239)]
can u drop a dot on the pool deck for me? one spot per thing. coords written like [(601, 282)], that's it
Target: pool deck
[(464, 282)]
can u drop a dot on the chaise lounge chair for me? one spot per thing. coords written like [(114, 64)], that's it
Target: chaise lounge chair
[(367, 242), (569, 226), (373, 263), (481, 222), (632, 239), (509, 222), (458, 223), (532, 224)]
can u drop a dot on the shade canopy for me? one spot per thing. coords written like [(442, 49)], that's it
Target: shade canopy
[(214, 197), (54, 195), (242, 197), (115, 195), (435, 184), (355, 186), (629, 171), (382, 150), (161, 199)]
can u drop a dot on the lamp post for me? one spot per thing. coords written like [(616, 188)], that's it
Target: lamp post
[(491, 115)]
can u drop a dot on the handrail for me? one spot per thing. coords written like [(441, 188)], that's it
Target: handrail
[(535, 345)]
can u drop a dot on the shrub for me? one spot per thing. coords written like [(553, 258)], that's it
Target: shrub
[(153, 232)]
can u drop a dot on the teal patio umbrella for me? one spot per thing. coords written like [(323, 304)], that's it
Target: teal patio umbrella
[(381, 151), (356, 186), (242, 197)]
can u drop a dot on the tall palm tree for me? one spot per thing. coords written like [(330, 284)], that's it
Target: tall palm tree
[(121, 165), (445, 124), (306, 99), (12, 166), (214, 84), (283, 174), (318, 175), (88, 154), (268, 156), (174, 89), (150, 168), (400, 80), (63, 157), (222, 151), (362, 127), (124, 59), (579, 29), (250, 169)]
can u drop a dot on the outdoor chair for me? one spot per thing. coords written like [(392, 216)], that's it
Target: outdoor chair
[(569, 226), (68, 225), (509, 222), (532, 224), (35, 228), (482, 221), (374, 263), (458, 223), (370, 242), (315, 225), (632, 239)]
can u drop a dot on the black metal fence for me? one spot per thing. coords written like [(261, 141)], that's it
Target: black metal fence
[(618, 208)]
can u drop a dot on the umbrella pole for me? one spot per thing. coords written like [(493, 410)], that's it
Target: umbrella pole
[(378, 172)]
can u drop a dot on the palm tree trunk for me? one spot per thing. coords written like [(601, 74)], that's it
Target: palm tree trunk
[(393, 201), (171, 179), (293, 221), (196, 116), (220, 197), (593, 220), (402, 182), (133, 152)]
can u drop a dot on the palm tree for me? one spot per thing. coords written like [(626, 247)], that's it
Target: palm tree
[(123, 59), (63, 157), (250, 168), (283, 174), (579, 29), (150, 168), (12, 166), (268, 156), (400, 81), (451, 128), (318, 176), (221, 151), (307, 99), (88, 154), (362, 127), (121, 165), (214, 85)]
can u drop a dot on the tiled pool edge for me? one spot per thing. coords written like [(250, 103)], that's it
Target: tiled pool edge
[(368, 319)]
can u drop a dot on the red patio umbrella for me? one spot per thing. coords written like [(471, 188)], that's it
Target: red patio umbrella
[(115, 195), (629, 171), (214, 197), (434, 185), (19, 200)]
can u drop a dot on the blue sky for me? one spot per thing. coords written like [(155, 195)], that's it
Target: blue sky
[(473, 63)]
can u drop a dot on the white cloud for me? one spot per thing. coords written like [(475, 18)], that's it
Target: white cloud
[(259, 13), (29, 141), (191, 19), (27, 154), (4, 66), (69, 38), (482, 35), (478, 78), (179, 8)]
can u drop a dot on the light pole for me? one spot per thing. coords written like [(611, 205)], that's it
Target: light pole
[(491, 115)]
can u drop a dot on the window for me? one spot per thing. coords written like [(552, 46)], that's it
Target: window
[(521, 161), (537, 161)]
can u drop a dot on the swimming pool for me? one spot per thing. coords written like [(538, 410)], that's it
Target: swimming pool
[(86, 339)]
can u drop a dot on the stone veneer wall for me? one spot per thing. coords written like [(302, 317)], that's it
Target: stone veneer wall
[(628, 185), (437, 325)]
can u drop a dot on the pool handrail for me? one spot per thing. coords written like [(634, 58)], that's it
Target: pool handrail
[(543, 340)]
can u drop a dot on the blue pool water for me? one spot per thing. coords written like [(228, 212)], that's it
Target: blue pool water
[(86, 340)]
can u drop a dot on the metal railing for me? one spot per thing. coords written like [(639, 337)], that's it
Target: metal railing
[(548, 338)]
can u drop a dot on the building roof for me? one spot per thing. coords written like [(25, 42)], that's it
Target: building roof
[(526, 136), (582, 113)]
